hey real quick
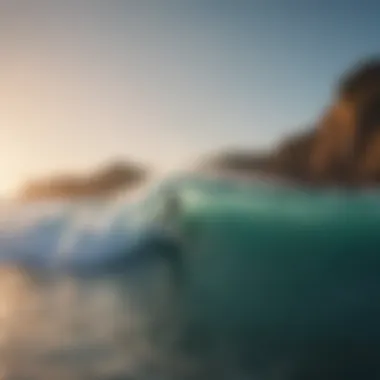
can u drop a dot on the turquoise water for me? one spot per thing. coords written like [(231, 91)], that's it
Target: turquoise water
[(240, 281)]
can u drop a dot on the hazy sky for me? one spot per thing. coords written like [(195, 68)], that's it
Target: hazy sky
[(165, 81)]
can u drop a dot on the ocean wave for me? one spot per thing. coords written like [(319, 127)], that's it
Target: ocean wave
[(91, 233), (266, 272)]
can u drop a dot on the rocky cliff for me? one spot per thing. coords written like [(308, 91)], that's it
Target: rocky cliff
[(342, 147)]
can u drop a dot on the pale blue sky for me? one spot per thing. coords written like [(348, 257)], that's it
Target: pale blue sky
[(163, 82)]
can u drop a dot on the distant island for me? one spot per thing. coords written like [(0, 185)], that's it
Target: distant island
[(103, 182), (342, 148)]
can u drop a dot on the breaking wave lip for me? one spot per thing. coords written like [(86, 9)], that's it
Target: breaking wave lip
[(68, 236), (83, 235)]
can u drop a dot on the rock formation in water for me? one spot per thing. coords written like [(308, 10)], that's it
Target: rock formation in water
[(343, 146), (103, 182)]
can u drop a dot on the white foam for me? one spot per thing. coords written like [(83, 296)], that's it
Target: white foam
[(55, 234)]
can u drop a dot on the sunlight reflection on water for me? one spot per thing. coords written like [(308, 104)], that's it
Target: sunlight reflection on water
[(67, 328)]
